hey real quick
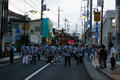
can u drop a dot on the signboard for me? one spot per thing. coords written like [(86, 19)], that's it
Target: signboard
[(50, 34), (34, 39), (27, 27), (96, 32), (118, 18), (18, 31), (70, 41), (96, 16), (17, 37)]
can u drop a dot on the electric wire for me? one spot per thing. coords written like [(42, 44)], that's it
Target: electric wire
[(31, 5), (16, 6), (34, 5)]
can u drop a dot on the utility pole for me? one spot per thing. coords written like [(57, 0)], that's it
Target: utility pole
[(101, 20), (0, 28), (41, 20), (59, 16), (65, 23), (90, 34), (87, 11), (68, 25), (76, 30)]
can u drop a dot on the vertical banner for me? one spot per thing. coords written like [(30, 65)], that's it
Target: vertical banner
[(96, 32)]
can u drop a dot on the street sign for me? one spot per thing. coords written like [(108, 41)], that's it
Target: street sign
[(18, 31), (96, 32), (50, 34), (96, 16), (27, 27), (17, 37)]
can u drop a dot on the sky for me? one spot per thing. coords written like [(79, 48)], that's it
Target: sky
[(71, 9)]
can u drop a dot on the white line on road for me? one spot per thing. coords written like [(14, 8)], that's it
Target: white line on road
[(37, 71)]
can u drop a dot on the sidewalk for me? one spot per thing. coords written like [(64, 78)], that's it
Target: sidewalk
[(17, 56), (112, 75)]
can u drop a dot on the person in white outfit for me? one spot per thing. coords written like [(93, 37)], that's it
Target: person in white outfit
[(25, 53), (112, 57)]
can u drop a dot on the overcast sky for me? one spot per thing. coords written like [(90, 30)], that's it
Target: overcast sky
[(71, 9)]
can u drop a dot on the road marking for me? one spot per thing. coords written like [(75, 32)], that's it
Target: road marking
[(37, 71)]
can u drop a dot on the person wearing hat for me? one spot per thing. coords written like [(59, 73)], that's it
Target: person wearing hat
[(12, 51)]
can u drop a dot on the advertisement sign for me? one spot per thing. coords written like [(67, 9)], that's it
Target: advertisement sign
[(27, 27), (34, 39), (96, 16)]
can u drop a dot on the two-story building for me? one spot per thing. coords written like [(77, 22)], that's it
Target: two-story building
[(108, 29), (3, 23)]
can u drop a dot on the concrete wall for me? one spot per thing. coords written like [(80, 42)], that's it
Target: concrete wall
[(107, 27), (33, 24)]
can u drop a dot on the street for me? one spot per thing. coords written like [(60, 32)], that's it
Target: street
[(43, 71)]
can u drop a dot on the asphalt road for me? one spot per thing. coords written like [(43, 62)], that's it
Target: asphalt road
[(43, 71)]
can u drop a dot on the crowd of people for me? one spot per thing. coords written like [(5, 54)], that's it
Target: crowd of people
[(52, 53)]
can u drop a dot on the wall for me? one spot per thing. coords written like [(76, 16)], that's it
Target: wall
[(33, 24), (107, 27)]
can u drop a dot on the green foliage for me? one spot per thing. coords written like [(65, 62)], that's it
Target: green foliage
[(24, 39), (18, 45)]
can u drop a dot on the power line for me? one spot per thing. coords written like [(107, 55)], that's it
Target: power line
[(35, 5), (16, 6), (55, 3), (51, 7), (20, 9), (31, 6)]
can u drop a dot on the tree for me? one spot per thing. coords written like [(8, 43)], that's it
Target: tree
[(24, 39)]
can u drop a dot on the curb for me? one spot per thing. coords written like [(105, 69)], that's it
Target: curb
[(92, 71), (105, 73), (9, 60)]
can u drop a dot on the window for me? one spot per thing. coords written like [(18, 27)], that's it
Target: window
[(32, 31), (15, 26), (37, 28), (113, 23)]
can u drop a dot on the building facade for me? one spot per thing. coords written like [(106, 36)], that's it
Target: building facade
[(108, 30), (47, 31), (3, 23), (35, 26)]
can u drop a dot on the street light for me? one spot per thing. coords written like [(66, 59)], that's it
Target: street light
[(31, 11), (58, 28), (83, 17)]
